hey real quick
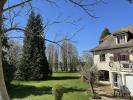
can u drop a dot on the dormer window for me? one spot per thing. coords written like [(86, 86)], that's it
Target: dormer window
[(121, 39)]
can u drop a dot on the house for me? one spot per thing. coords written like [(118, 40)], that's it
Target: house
[(114, 58)]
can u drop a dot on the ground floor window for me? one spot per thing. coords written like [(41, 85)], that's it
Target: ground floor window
[(103, 75)]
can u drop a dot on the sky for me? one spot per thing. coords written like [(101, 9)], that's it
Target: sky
[(113, 14)]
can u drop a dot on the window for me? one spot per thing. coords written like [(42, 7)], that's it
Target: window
[(102, 57), (103, 75), (120, 57), (121, 39)]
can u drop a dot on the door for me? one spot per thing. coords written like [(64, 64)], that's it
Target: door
[(129, 83)]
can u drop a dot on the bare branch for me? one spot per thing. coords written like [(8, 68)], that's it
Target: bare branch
[(21, 29), (51, 1), (84, 6), (17, 5), (14, 29)]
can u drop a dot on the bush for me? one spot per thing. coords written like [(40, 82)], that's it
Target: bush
[(58, 91)]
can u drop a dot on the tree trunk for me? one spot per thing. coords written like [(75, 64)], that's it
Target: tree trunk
[(92, 88), (3, 90)]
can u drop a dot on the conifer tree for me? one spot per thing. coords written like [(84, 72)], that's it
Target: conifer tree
[(104, 33), (40, 65), (34, 65), (24, 70)]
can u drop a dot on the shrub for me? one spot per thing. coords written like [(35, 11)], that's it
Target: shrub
[(58, 91)]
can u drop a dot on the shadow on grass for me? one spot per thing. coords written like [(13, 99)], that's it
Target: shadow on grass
[(73, 89), (22, 91), (64, 77)]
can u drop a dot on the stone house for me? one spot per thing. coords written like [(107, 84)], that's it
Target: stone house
[(114, 58)]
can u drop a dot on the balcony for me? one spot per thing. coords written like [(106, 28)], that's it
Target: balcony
[(122, 66)]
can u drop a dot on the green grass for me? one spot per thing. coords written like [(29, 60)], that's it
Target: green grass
[(42, 90)]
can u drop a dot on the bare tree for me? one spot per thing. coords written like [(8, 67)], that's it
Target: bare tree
[(14, 53), (90, 74), (52, 56), (69, 56), (88, 71), (56, 59), (9, 10), (72, 57), (63, 54), (87, 58)]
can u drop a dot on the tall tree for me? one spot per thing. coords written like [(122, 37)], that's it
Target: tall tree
[(56, 59), (34, 63), (24, 71), (69, 56), (72, 57), (53, 56), (40, 66), (63, 53)]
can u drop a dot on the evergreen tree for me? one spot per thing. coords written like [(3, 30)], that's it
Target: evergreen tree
[(104, 33), (40, 65), (34, 65), (24, 70)]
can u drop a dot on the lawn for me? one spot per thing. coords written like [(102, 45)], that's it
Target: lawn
[(42, 90)]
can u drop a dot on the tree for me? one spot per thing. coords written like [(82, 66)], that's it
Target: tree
[(50, 54), (24, 71), (69, 56), (64, 56), (104, 33), (72, 57), (87, 58), (34, 62), (56, 59), (40, 66), (53, 56), (88, 71), (14, 53), (90, 74)]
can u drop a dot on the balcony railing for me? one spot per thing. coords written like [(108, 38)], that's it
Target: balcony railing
[(122, 66)]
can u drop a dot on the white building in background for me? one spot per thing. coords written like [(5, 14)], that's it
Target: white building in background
[(114, 58)]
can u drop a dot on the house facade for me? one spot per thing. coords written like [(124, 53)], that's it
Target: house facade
[(114, 59)]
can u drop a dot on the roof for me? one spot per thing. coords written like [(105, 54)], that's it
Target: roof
[(110, 43), (124, 30)]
